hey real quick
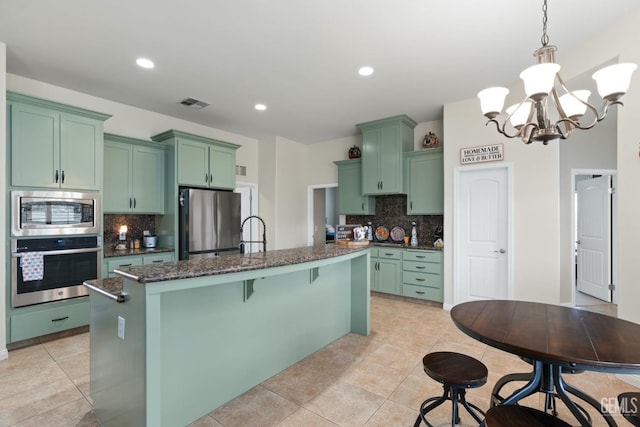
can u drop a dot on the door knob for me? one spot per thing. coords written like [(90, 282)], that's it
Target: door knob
[(500, 251)]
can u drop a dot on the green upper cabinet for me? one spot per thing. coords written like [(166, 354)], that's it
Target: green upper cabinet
[(350, 198), (54, 145), (203, 162), (383, 144), (134, 176), (424, 182)]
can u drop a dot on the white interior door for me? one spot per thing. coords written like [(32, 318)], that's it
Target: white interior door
[(482, 233), (594, 237)]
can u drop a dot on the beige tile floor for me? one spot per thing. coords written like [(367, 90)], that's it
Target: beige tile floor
[(354, 381)]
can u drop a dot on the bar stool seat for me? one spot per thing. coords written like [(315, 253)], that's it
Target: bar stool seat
[(520, 416), (630, 406), (457, 373)]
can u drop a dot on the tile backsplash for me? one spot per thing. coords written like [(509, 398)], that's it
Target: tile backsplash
[(391, 211), (136, 224)]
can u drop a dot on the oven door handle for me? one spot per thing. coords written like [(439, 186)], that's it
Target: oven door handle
[(60, 252)]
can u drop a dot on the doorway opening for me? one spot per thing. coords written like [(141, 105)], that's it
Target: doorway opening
[(323, 213), (594, 230)]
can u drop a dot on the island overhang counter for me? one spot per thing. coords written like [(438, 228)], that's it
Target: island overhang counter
[(172, 342)]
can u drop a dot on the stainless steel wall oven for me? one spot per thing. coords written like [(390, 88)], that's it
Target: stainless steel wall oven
[(63, 264)]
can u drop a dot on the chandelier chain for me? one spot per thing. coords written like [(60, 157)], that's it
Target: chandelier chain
[(545, 37)]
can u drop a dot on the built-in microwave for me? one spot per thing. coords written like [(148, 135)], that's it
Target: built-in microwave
[(52, 213)]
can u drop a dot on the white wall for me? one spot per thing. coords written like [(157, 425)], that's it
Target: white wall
[(4, 248), (292, 166), (535, 202), (321, 170), (620, 40)]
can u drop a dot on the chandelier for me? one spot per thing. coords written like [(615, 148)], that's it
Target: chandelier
[(544, 115)]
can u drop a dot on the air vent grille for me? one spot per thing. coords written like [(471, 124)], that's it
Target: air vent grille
[(193, 103)]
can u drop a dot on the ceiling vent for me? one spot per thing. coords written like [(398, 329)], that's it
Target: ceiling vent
[(193, 103)]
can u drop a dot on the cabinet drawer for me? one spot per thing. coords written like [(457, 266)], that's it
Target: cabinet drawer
[(422, 292), (157, 258), (49, 320), (389, 253), (430, 256), (119, 263), (422, 267), (422, 279)]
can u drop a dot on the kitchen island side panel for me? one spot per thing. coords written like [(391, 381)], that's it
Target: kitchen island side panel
[(222, 346), (117, 366)]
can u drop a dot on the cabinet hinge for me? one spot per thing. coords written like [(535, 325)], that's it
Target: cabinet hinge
[(612, 287)]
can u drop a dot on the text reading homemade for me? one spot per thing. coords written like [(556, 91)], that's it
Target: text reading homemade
[(487, 153)]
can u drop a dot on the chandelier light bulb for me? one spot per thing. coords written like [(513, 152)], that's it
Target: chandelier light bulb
[(519, 113), (492, 100), (571, 104), (538, 80), (614, 80)]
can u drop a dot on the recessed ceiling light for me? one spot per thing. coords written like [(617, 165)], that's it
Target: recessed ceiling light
[(145, 63), (365, 71), (260, 107)]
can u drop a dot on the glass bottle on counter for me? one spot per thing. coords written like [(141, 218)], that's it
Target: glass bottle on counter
[(414, 234), (369, 231)]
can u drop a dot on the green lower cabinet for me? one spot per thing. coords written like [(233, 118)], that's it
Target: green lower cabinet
[(386, 271), (130, 261), (422, 274), (43, 319)]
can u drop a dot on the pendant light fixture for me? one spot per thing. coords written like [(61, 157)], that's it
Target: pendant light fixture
[(544, 115)]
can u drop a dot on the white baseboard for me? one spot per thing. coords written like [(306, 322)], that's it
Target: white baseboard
[(447, 307), (4, 354)]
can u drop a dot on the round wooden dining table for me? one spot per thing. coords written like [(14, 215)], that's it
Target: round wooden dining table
[(555, 339)]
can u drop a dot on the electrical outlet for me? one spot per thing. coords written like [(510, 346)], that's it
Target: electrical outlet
[(120, 327)]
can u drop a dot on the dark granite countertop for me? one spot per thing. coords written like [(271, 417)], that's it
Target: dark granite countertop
[(109, 252), (214, 266)]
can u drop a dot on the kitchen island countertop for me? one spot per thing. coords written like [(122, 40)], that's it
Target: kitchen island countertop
[(231, 263)]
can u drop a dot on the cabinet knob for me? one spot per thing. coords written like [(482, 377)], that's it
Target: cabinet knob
[(130, 203), (56, 176), (63, 177), (134, 202)]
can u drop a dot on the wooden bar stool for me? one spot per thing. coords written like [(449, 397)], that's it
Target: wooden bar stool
[(630, 407), (520, 416), (457, 373)]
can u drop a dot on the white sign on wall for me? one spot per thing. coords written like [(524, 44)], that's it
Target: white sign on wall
[(486, 153)]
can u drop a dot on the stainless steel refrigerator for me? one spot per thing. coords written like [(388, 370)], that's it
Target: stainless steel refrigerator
[(209, 223)]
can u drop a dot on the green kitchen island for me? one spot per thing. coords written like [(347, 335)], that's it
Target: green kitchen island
[(172, 342)]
